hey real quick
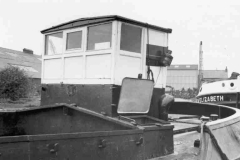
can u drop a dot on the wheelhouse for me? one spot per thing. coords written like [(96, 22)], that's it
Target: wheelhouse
[(101, 51)]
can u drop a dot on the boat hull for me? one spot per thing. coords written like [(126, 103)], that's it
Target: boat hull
[(227, 99)]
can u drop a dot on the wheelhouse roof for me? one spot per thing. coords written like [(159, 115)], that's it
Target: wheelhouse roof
[(101, 19)]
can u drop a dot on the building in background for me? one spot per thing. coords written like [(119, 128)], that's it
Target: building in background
[(186, 76), (182, 76), (25, 60), (214, 75)]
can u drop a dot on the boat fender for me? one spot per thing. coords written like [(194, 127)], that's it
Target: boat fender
[(164, 105)]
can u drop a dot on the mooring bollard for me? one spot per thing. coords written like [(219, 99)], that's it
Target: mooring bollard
[(205, 119), (197, 142), (213, 117)]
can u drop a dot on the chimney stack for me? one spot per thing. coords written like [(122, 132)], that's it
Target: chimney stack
[(29, 51)]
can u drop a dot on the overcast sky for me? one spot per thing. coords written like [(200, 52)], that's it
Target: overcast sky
[(216, 23)]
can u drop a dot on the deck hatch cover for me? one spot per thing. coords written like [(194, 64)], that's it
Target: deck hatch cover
[(135, 96)]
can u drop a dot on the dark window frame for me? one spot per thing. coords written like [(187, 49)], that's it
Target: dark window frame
[(66, 44), (124, 42), (46, 44), (87, 37)]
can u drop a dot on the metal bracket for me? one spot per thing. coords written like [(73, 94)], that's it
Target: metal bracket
[(66, 111), (140, 141), (53, 148), (102, 143), (71, 90), (132, 121), (104, 113), (158, 124), (113, 105), (161, 137)]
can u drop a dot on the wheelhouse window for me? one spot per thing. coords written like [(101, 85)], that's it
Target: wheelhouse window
[(74, 40), (54, 44), (99, 37), (131, 38)]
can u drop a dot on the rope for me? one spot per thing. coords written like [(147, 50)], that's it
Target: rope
[(157, 76), (148, 74), (207, 130), (148, 46), (149, 71)]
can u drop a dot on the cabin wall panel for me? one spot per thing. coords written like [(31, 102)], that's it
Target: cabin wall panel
[(73, 67), (158, 38), (52, 68), (127, 67), (98, 66)]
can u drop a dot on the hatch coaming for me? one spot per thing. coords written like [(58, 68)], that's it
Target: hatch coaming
[(57, 119), (134, 105), (64, 130)]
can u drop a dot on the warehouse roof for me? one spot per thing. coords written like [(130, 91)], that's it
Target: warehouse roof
[(183, 67), (215, 74), (29, 62)]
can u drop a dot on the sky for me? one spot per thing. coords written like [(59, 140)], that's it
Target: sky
[(214, 22)]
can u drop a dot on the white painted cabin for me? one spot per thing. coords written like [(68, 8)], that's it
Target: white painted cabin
[(85, 61), (101, 50)]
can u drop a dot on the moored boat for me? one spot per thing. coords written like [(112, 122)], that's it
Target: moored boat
[(224, 92)]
